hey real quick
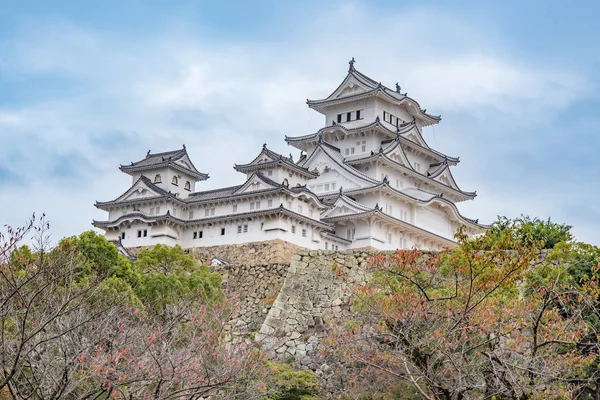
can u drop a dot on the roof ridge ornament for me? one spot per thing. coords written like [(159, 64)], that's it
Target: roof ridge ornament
[(264, 146), (341, 190), (147, 154), (183, 146), (351, 63), (385, 180), (377, 119), (398, 88)]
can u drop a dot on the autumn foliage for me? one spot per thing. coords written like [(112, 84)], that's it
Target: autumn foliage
[(476, 322)]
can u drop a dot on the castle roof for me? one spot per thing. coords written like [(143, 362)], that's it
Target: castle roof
[(177, 159), (371, 88), (269, 159)]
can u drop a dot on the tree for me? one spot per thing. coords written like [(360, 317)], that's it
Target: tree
[(530, 231), (471, 323), (69, 329)]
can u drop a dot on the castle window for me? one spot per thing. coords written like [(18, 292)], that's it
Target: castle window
[(347, 151), (258, 205), (389, 238), (262, 224), (303, 232), (270, 172), (139, 233), (366, 169), (222, 231), (299, 209), (206, 212), (175, 181), (358, 114), (191, 215), (385, 114), (350, 234), (239, 229), (270, 203), (364, 146), (212, 211), (188, 186), (122, 235), (327, 187), (293, 228), (252, 205), (151, 210), (145, 233), (352, 150), (326, 245), (245, 228), (235, 208), (348, 117), (157, 210), (200, 235), (157, 179), (339, 118), (418, 167), (195, 235)]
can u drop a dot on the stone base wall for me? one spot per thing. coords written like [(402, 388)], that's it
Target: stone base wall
[(254, 253), (314, 295), (255, 287)]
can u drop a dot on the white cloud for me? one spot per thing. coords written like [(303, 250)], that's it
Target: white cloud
[(225, 100)]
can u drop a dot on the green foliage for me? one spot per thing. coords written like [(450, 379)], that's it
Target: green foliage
[(22, 256), (169, 276), (580, 259), (528, 231), (286, 383), (164, 259)]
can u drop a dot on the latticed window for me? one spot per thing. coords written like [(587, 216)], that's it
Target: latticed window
[(157, 179)]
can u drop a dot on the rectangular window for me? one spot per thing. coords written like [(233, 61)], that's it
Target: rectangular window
[(366, 169), (348, 117), (350, 233), (303, 232), (347, 151), (239, 229), (200, 234), (245, 228), (333, 186), (418, 167), (123, 235), (364, 146), (145, 232), (327, 187), (252, 205), (235, 208), (195, 235), (191, 215), (385, 114), (270, 203), (157, 210), (326, 245), (222, 231), (206, 212), (358, 114), (262, 224), (212, 211), (151, 210), (270, 172), (258, 205), (339, 118), (352, 150), (139, 233), (299, 209), (293, 228), (389, 238)]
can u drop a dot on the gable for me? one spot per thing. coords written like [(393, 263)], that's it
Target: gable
[(447, 179), (398, 155), (255, 183), (331, 170), (350, 86), (344, 206), (138, 191)]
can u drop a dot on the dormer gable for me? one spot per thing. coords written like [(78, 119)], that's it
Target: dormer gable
[(344, 205), (257, 182)]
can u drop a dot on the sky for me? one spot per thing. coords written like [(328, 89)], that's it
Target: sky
[(87, 86)]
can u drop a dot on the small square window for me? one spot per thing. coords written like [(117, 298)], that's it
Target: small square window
[(222, 231), (145, 233)]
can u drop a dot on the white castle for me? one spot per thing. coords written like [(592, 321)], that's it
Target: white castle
[(367, 179)]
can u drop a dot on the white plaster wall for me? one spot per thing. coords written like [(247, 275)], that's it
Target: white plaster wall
[(366, 107), (435, 221), (156, 235), (396, 111)]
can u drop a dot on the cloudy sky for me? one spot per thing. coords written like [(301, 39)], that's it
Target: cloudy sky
[(84, 88)]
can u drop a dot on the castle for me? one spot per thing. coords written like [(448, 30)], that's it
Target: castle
[(366, 179)]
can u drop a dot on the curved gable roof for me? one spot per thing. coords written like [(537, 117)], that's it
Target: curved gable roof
[(178, 159)]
